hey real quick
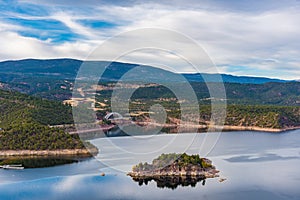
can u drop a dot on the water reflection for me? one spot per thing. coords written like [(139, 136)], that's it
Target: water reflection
[(171, 182), (40, 161), (130, 130), (115, 132)]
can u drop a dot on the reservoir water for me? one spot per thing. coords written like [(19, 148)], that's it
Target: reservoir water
[(256, 165)]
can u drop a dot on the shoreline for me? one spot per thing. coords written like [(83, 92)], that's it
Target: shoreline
[(62, 152), (225, 128)]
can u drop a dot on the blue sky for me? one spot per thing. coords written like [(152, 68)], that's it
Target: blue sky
[(241, 37)]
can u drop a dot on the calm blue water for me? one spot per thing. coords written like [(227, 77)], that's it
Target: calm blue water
[(256, 165)]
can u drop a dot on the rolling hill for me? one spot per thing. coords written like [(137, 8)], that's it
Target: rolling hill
[(54, 79), (68, 68)]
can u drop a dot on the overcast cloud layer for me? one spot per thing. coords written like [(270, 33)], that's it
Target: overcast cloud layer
[(241, 37)]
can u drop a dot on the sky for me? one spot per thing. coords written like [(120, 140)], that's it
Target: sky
[(241, 37)]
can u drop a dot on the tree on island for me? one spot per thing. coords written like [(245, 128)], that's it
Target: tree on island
[(177, 160)]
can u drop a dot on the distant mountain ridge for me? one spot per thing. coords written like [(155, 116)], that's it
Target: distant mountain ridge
[(227, 78), (68, 68)]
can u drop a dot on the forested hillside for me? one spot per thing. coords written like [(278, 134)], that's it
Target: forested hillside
[(17, 108), (24, 123), (33, 136), (268, 109)]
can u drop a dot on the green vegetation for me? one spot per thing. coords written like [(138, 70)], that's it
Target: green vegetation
[(24, 123), (182, 160), (32, 136), (264, 116), (17, 108), (277, 94)]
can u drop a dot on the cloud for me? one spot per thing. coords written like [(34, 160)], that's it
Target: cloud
[(15, 46), (231, 39), (240, 37), (73, 25)]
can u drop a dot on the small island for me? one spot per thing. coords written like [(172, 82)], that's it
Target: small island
[(175, 165)]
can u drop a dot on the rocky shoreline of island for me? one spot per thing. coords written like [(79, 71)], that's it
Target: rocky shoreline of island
[(210, 173)]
